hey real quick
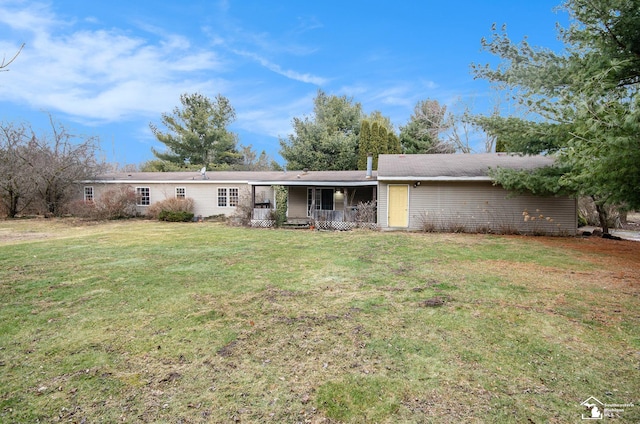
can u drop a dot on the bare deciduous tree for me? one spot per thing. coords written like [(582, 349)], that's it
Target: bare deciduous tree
[(42, 173), (464, 132), (60, 164), (16, 193)]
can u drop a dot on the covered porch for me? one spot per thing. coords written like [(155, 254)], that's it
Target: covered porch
[(336, 200)]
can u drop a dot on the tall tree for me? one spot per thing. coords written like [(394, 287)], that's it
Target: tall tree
[(422, 134), (583, 104), (58, 161), (42, 172), (383, 121), (373, 141), (365, 146), (377, 136), (378, 141), (393, 144), (197, 132), (251, 161), (16, 192), (328, 140)]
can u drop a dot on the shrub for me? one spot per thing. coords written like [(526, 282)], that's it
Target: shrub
[(175, 216), (115, 203), (81, 209), (281, 205), (430, 223), (244, 211), (170, 205), (366, 212)]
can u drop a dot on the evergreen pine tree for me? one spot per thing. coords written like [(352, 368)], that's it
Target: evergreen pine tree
[(364, 145)]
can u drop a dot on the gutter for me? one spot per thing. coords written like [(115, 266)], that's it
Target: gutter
[(415, 178), (316, 183), (257, 183), (198, 181)]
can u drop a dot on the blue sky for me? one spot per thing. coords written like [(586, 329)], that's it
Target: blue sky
[(108, 69)]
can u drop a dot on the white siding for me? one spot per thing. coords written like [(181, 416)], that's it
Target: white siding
[(481, 206), (205, 196)]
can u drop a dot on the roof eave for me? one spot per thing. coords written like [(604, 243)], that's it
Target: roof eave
[(441, 178), (316, 183), (198, 181)]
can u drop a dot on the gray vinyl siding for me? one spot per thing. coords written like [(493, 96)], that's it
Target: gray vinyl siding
[(481, 206)]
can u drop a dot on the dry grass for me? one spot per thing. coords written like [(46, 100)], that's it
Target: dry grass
[(150, 322)]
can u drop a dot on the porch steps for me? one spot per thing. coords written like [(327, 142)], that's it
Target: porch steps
[(295, 225)]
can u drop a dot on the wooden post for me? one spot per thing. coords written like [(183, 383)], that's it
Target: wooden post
[(345, 203), (313, 203), (253, 199)]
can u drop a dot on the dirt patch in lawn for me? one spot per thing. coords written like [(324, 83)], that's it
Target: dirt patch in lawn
[(8, 237), (612, 254), (611, 264)]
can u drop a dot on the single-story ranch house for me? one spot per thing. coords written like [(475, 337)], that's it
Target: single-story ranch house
[(440, 192)]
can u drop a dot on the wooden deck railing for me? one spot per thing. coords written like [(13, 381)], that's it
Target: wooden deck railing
[(351, 218), (262, 213)]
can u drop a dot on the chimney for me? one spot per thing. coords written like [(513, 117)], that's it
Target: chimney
[(369, 165)]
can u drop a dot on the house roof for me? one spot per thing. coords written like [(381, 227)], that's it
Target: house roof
[(434, 167), (453, 167), (319, 178)]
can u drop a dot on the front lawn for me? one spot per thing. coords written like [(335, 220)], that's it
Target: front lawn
[(141, 321)]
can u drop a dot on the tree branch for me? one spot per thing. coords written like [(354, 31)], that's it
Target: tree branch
[(4, 64)]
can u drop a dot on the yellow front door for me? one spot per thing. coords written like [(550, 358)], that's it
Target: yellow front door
[(398, 206)]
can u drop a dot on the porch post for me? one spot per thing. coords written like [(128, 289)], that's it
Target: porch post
[(253, 199), (313, 203), (345, 203)]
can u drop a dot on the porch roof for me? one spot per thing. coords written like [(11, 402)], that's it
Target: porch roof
[(318, 178), (453, 167)]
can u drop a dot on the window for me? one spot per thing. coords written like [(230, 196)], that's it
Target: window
[(181, 192), (88, 194), (228, 197), (143, 197), (233, 197), (324, 199), (222, 197)]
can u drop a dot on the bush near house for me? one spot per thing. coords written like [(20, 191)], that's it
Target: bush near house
[(179, 216), (174, 210), (116, 203)]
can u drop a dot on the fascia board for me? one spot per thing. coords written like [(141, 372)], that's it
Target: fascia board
[(316, 183), (283, 183), (164, 182), (414, 178)]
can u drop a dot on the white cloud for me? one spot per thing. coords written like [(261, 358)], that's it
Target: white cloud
[(288, 73), (276, 119), (31, 17), (101, 75)]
